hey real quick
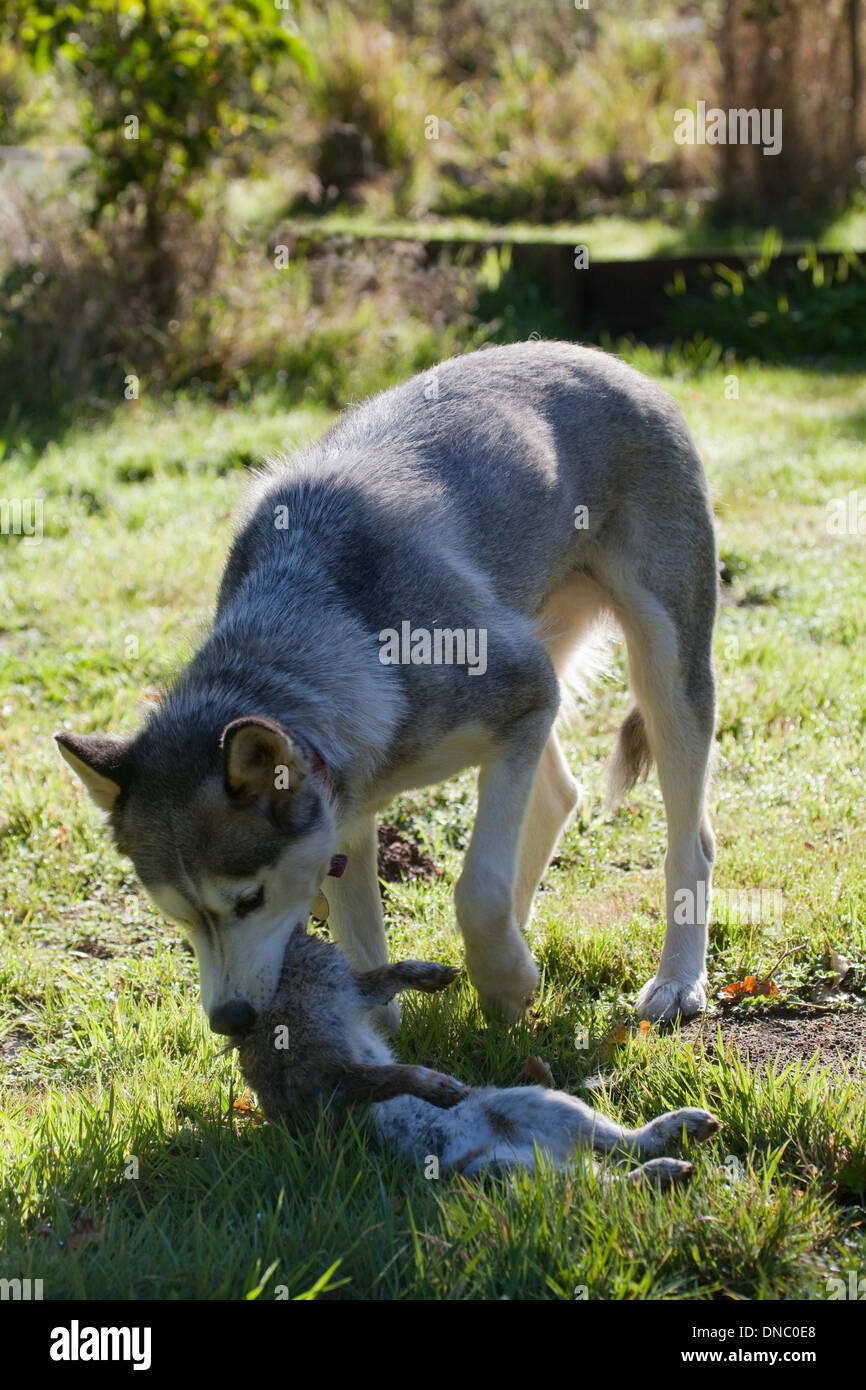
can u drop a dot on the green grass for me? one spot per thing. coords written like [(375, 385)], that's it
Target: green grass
[(107, 1059), (609, 237)]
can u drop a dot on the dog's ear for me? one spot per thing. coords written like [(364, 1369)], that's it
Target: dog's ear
[(102, 761), (260, 760)]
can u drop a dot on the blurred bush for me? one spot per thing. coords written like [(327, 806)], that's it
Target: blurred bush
[(192, 110), (495, 110), (328, 328), (776, 314), (165, 88)]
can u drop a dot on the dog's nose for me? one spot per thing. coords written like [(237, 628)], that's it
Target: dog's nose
[(233, 1018)]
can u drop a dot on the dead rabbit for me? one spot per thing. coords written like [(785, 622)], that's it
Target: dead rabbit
[(316, 1040)]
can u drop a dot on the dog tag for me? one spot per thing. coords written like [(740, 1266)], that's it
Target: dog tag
[(320, 908)]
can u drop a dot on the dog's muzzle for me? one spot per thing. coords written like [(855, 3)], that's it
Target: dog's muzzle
[(233, 1018)]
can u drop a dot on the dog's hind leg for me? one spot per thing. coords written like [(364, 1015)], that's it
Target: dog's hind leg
[(566, 626), (554, 796), (669, 629)]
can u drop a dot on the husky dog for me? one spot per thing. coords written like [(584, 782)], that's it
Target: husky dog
[(405, 600), (315, 1041)]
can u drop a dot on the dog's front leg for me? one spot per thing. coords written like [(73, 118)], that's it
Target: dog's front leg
[(355, 918), (497, 958)]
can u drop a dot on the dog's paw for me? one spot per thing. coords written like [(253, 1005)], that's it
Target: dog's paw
[(661, 1173), (507, 982), (662, 1000)]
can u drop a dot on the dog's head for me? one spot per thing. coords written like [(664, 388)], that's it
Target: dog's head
[(231, 836)]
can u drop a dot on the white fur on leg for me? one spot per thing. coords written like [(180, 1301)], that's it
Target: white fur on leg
[(505, 976), (356, 920), (679, 987), (679, 726), (497, 957), (554, 796), (494, 1129), (498, 961), (689, 1122)]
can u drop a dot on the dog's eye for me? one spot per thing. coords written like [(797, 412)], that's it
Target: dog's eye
[(244, 906)]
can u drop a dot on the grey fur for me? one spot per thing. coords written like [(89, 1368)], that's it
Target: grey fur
[(449, 507)]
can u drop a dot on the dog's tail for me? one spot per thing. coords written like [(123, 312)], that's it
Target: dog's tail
[(632, 758)]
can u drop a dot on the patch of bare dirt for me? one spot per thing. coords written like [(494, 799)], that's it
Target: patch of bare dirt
[(401, 860), (15, 1039), (785, 1033), (90, 947)]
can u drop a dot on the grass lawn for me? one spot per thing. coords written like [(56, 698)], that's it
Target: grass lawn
[(129, 1167)]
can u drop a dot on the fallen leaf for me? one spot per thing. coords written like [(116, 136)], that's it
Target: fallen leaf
[(766, 987), (738, 989), (825, 992), (841, 966)]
